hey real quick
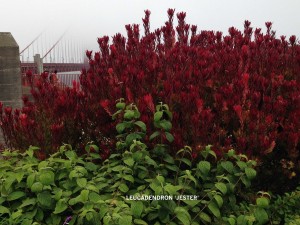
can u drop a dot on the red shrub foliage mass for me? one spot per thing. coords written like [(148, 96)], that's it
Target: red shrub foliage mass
[(238, 90)]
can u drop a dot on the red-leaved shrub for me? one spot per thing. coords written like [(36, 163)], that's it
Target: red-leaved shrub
[(238, 90)]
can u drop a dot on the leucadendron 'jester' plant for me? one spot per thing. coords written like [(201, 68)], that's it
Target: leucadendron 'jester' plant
[(70, 187)]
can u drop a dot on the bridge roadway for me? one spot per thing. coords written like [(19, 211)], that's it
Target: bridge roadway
[(51, 67)]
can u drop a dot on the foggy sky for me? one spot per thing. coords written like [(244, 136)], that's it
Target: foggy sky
[(88, 19)]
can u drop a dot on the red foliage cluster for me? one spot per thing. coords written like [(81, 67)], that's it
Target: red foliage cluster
[(238, 90)]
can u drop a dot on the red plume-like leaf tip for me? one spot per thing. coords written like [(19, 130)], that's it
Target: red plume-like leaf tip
[(89, 54)]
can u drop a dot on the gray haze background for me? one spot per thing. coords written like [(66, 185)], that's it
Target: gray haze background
[(88, 19)]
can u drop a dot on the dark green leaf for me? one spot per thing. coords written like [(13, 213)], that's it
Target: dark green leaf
[(169, 137), (81, 182), (219, 200), (15, 195), (46, 177), (204, 167), (213, 207), (120, 127), (182, 215), (60, 206), (157, 116), (123, 187), (221, 187), (141, 124), (4, 210), (262, 202), (27, 202), (154, 135), (250, 173), (228, 166), (129, 114), (129, 161), (44, 199), (139, 222), (165, 124), (137, 208), (125, 220), (203, 216), (37, 187), (261, 215), (128, 178)]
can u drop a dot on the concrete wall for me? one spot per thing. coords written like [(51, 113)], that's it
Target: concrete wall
[(10, 75)]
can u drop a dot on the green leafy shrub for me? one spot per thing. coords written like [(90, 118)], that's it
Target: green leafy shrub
[(286, 208), (198, 192)]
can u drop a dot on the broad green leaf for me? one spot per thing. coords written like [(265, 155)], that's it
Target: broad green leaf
[(2, 199), (131, 137), (219, 200), (8, 182), (19, 176), (246, 181), (160, 178), (129, 161), (172, 189), (84, 195), (15, 195), (89, 216), (261, 215), (165, 124), (71, 155), (250, 173), (30, 180), (213, 207), (172, 167), (157, 116), (120, 105), (204, 167), (16, 214), (57, 193), (169, 159), (37, 187), (139, 222), (91, 166), (4, 210), (169, 137), (262, 202), (182, 215), (120, 127), (27, 202), (150, 161), (128, 115), (137, 208), (60, 206), (141, 124), (94, 197), (186, 161), (228, 166), (46, 177), (221, 187), (125, 220), (205, 217), (241, 164), (42, 165), (231, 221), (129, 178), (154, 135), (81, 182), (191, 203), (44, 198), (123, 187)]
